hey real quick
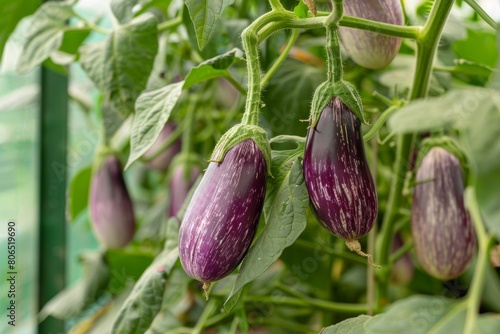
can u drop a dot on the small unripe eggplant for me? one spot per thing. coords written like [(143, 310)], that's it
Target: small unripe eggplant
[(111, 210), (179, 187), (222, 216), (442, 229), (369, 49), (162, 161)]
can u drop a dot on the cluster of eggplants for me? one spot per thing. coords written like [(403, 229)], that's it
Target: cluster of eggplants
[(336, 173), (163, 160), (111, 210), (369, 49), (442, 229), (180, 184), (222, 216)]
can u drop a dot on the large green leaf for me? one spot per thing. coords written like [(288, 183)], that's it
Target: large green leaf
[(213, 68), (145, 300), (348, 326), (122, 9), (479, 47), (11, 13), (120, 66), (480, 136), (206, 16), (153, 110), (286, 221), (72, 301), (45, 34), (78, 196), (287, 98)]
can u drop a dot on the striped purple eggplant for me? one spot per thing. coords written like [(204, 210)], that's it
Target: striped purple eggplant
[(111, 210), (442, 229), (337, 176), (368, 49), (180, 185), (222, 216), (162, 161)]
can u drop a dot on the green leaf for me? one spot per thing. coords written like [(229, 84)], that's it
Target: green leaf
[(433, 113), (145, 300), (295, 82), (153, 111), (11, 13), (287, 220), (120, 66), (206, 16), (301, 10), (72, 301), (479, 47), (126, 264), (79, 192), (420, 314), (122, 9), (348, 326), (213, 68), (45, 34), (480, 137)]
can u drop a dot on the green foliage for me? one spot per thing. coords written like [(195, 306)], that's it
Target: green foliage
[(120, 66), (11, 13), (79, 192), (206, 16), (153, 110), (45, 34), (157, 63)]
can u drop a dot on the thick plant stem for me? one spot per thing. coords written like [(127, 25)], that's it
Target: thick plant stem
[(334, 57), (252, 106), (427, 44)]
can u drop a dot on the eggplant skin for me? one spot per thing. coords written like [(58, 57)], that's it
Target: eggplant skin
[(180, 186), (442, 229), (111, 209), (341, 190), (369, 49), (162, 161), (222, 216)]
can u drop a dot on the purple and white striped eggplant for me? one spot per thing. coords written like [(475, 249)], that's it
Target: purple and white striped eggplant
[(442, 229), (337, 176), (162, 161), (368, 49), (223, 214), (179, 187), (111, 210)]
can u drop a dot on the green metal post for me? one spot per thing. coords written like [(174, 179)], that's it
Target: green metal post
[(52, 160)]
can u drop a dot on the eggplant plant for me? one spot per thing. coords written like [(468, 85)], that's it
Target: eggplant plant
[(311, 126)]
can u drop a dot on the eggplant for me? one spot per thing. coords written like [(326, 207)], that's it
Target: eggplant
[(222, 216), (369, 49), (442, 228), (162, 161), (180, 184), (337, 176), (111, 209)]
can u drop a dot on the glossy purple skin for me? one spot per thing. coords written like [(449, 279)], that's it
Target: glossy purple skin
[(222, 217), (111, 210), (179, 187), (442, 229), (162, 161), (337, 176), (368, 49)]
